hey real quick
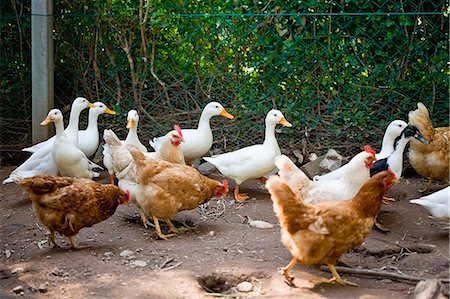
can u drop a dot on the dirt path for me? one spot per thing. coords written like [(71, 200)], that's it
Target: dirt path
[(125, 260)]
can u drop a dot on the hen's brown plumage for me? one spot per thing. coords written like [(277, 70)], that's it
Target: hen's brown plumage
[(429, 160), (67, 205), (165, 188), (320, 233)]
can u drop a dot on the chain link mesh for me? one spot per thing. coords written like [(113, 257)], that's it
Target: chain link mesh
[(339, 71)]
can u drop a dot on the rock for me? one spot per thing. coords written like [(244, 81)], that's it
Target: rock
[(428, 289), (8, 253), (298, 154), (244, 287), (312, 157), (18, 289), (206, 168), (17, 270), (138, 263), (332, 161), (42, 289), (126, 253), (108, 253), (312, 168)]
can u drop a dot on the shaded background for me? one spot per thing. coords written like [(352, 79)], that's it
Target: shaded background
[(340, 71)]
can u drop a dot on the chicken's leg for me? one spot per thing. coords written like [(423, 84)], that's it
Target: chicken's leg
[(387, 200), (239, 196), (173, 228), (144, 218), (427, 188), (336, 278), (51, 239), (285, 271), (158, 229), (74, 243)]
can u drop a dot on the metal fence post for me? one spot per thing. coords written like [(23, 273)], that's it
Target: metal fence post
[(42, 66)]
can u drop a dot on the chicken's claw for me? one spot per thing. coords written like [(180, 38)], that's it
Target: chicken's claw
[(337, 278), (51, 240), (74, 244), (285, 271)]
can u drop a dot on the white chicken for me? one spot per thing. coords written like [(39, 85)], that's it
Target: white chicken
[(393, 131), (356, 174)]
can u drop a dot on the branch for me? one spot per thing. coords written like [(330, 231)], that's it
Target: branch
[(378, 273)]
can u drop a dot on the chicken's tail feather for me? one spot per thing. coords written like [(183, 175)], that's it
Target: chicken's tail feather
[(285, 204), (111, 138), (290, 173)]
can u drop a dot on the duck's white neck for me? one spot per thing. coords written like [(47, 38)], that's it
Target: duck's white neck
[(395, 160), (59, 128), (92, 121), (203, 123), (387, 146), (132, 136), (269, 137)]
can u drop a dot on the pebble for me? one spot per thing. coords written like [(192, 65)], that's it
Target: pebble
[(212, 233), (42, 289), (18, 289), (138, 263), (244, 287), (126, 253), (17, 270), (109, 253)]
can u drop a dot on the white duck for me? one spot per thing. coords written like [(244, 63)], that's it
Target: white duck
[(78, 105), (40, 162), (437, 203), (88, 140), (132, 138), (393, 130), (198, 141), (69, 159), (251, 162)]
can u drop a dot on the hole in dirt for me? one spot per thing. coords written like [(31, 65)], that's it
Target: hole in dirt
[(216, 283), (222, 283)]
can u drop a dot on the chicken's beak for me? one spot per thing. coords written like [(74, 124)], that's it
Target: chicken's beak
[(46, 121), (285, 123), (109, 111), (131, 123), (90, 105), (224, 113)]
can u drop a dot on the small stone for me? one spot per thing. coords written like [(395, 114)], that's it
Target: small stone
[(108, 253), (298, 154), (428, 289), (48, 256), (212, 233), (138, 263), (18, 289), (312, 157), (42, 289), (126, 253), (244, 287), (8, 253), (17, 270)]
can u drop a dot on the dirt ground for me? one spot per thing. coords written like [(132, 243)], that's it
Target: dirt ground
[(220, 250)]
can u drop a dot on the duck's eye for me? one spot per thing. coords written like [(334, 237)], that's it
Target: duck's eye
[(275, 115), (217, 106)]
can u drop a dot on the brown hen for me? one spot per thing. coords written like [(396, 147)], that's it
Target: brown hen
[(165, 188), (66, 205), (429, 160), (320, 233)]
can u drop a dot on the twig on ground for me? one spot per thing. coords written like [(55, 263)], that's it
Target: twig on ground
[(171, 267), (378, 273)]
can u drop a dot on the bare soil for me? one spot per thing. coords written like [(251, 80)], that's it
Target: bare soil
[(218, 251)]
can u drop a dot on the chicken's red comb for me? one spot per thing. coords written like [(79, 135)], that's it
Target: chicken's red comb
[(178, 129), (370, 150), (225, 185)]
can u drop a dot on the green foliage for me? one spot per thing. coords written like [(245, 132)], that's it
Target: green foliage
[(341, 69)]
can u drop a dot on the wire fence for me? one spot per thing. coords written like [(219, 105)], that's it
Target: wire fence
[(339, 71)]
